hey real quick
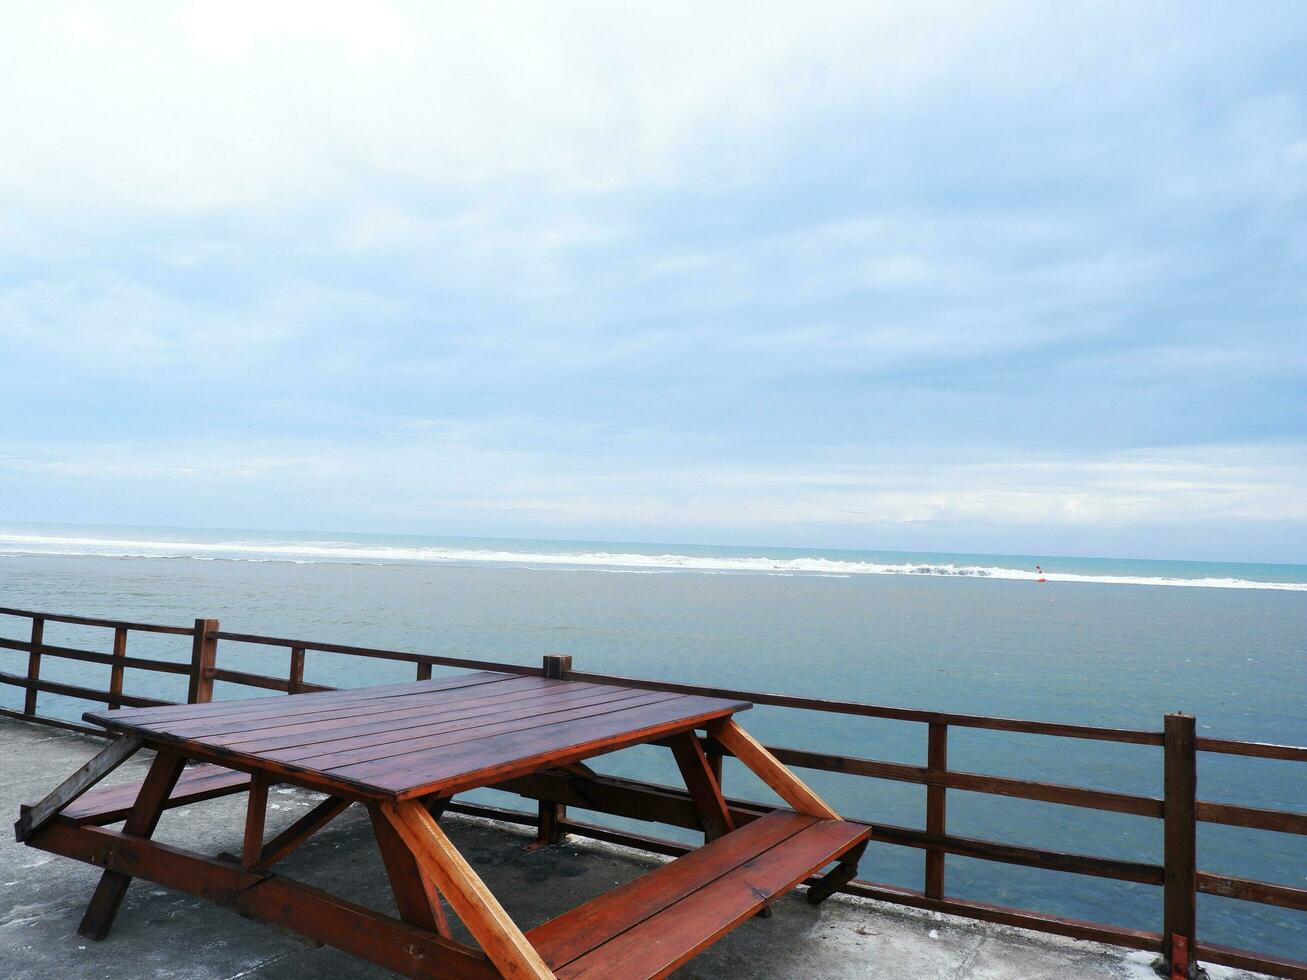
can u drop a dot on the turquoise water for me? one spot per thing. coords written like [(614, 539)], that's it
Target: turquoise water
[(1103, 641)]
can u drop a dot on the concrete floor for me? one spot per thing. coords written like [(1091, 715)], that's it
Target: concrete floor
[(161, 933)]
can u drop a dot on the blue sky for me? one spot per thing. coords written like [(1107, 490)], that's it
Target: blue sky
[(1000, 277)]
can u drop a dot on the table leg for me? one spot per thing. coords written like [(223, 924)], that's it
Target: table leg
[(500, 938), (416, 896), (141, 822), (256, 814), (704, 788)]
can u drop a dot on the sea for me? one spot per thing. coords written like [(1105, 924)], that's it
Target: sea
[(1095, 641)]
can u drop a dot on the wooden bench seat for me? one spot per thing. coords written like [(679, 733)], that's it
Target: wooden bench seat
[(113, 803), (654, 924)]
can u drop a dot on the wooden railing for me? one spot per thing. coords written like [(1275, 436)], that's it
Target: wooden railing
[(1178, 807)]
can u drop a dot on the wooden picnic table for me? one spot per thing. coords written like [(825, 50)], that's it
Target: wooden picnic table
[(403, 751)]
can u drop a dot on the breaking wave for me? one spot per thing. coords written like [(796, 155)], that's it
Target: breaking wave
[(307, 552)]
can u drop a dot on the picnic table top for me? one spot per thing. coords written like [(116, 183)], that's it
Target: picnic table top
[(422, 738)]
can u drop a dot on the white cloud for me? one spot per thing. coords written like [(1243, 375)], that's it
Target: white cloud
[(222, 104), (444, 472)]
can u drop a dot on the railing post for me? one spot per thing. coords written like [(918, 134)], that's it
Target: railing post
[(116, 671), (424, 672), (715, 764), (1181, 851), (551, 815), (936, 763), (295, 678), (34, 665), (204, 651)]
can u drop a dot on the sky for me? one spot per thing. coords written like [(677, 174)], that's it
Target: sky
[(999, 277)]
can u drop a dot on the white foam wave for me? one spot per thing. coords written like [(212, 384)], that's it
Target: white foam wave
[(307, 552)]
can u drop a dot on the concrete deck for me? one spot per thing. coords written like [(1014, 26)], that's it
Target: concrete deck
[(161, 933)]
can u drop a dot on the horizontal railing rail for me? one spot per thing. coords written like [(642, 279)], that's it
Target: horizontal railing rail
[(1178, 807)]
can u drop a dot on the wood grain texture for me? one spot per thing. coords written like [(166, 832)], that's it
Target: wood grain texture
[(702, 785), (416, 895), (500, 938), (663, 919), (256, 813), (575, 933), (141, 822), (33, 666), (100, 765), (936, 803), (1180, 888), (421, 738), (309, 911), (113, 803), (765, 766)]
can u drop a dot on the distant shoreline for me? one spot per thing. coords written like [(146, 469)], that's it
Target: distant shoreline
[(254, 546)]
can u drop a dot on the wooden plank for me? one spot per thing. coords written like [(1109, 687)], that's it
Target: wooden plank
[(300, 831), (379, 746), (837, 877), (937, 762), (860, 709), (665, 804), (116, 671), (1029, 857), (265, 682), (358, 732), (108, 895), (765, 766), (702, 786), (550, 816), (328, 718), (480, 911), (594, 722), (311, 912), (304, 702), (91, 657), (1248, 890), (33, 666), (259, 712), (1024, 789), (297, 712), (464, 663), (197, 783), (1179, 891), (1283, 821), (100, 765), (305, 778), (77, 691), (608, 794), (659, 944), (504, 756), (416, 896), (985, 912), (1242, 959), (88, 621), (295, 676), (204, 650), (1260, 750), (575, 933), (256, 814)]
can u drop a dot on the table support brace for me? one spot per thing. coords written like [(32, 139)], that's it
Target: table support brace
[(480, 911)]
